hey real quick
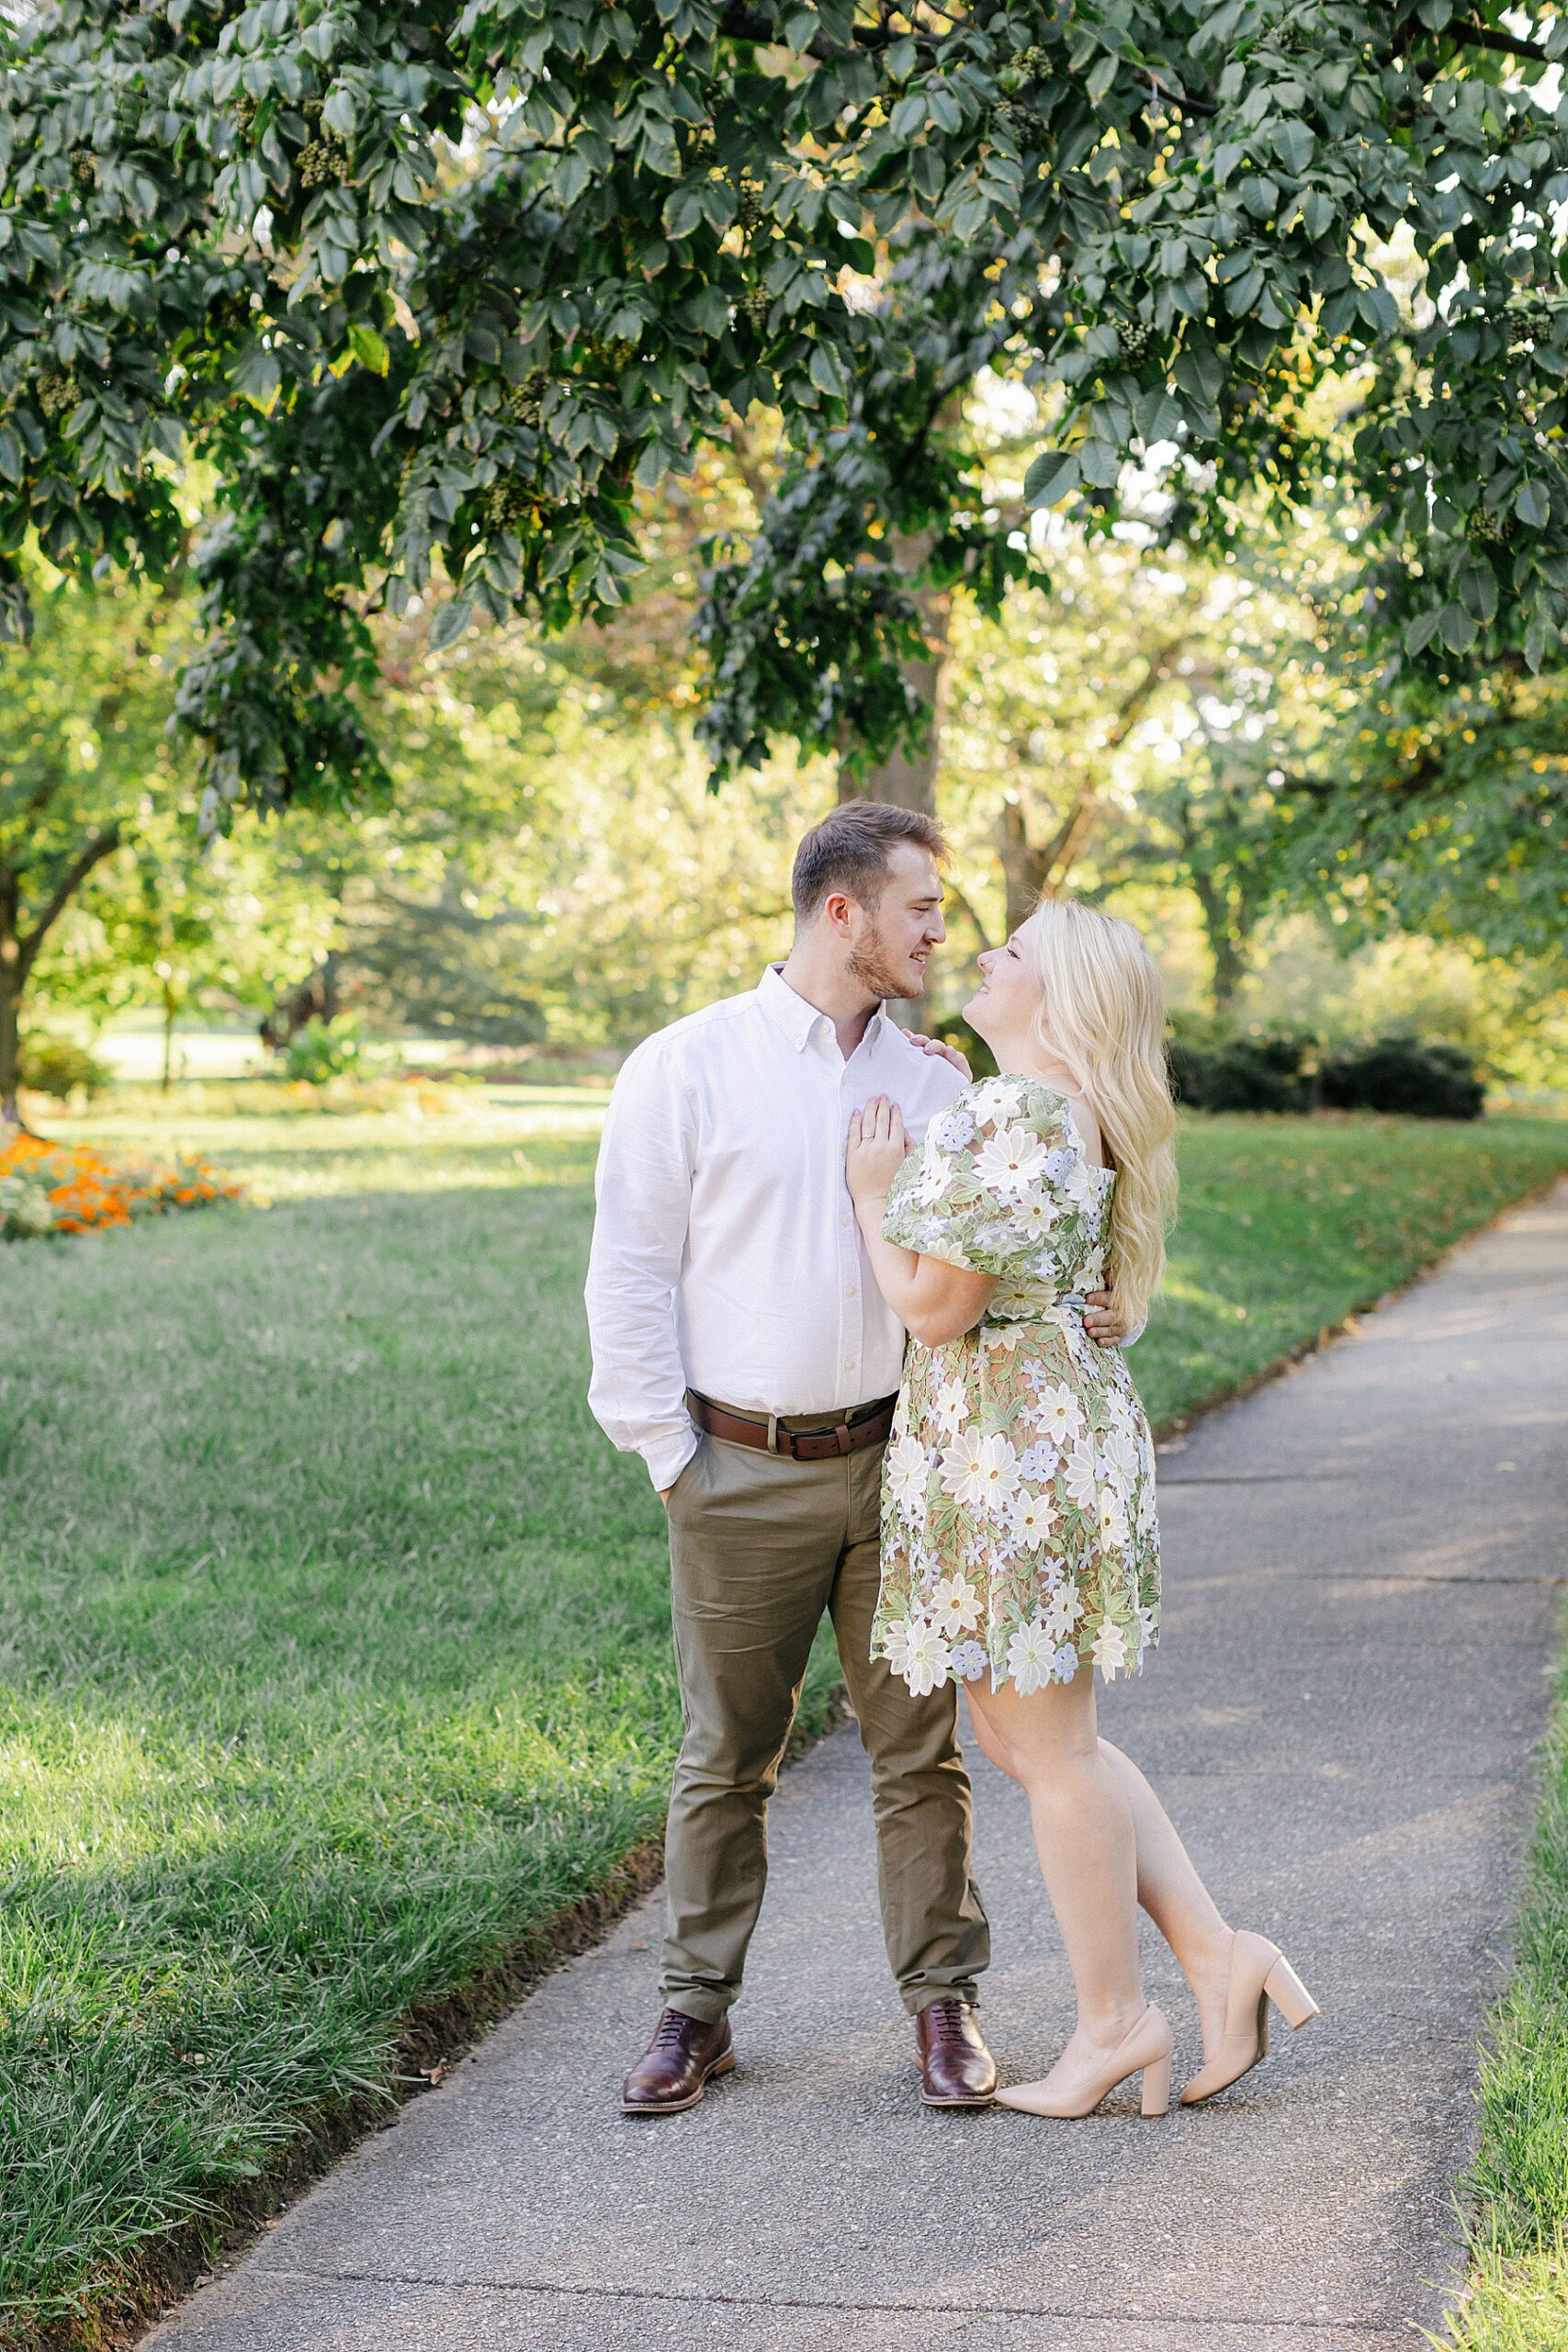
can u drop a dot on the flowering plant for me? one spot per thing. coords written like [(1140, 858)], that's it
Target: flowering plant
[(71, 1188)]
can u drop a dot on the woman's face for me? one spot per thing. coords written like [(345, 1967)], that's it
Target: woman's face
[(1003, 1008)]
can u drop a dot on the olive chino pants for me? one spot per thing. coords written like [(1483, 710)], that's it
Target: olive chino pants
[(759, 1546)]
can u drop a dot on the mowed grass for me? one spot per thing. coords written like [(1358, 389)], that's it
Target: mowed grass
[(333, 1637), (1288, 1226), (1518, 2293)]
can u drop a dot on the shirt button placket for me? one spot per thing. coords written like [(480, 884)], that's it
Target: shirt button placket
[(848, 1262)]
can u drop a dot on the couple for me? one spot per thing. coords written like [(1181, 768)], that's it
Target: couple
[(979, 1509)]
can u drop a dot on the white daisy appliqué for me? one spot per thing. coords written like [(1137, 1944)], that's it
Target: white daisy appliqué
[(926, 1659), (1109, 1648), (936, 1175), (981, 1473), (1010, 1162), (1058, 1416), (1062, 1614), (993, 1099), (908, 1469), (1031, 1519), (949, 1404), (955, 1605), (1031, 1657)]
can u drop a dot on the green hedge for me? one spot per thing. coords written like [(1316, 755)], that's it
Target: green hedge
[(1395, 1074)]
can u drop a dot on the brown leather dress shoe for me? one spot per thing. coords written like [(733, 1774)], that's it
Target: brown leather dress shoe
[(956, 2068), (678, 2064)]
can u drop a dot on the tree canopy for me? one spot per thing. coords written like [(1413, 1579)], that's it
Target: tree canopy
[(433, 291)]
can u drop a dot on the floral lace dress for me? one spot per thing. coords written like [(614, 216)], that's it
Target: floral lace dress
[(1018, 1500)]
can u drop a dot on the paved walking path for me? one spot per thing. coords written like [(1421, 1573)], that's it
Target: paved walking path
[(1363, 1563)]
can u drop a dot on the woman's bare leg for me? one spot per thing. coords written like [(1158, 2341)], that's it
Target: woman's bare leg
[(1176, 1899), (1084, 1835), (1170, 1888)]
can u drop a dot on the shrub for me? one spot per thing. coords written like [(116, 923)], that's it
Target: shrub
[(58, 1065), (324, 1049), (1397, 1074), (60, 1188), (1245, 1074), (1400, 1074)]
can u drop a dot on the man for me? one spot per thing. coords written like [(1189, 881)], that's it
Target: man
[(743, 1348)]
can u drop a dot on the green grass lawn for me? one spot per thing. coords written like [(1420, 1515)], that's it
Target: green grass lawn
[(334, 1638), (1519, 2300)]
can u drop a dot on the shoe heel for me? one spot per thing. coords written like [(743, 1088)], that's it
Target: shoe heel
[(1156, 2086), (1289, 1994)]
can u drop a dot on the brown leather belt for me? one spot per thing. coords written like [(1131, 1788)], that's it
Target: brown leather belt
[(868, 1425)]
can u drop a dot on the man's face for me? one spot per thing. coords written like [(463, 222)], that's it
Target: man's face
[(890, 943)]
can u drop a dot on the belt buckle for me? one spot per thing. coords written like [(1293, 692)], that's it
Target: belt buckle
[(790, 1441)]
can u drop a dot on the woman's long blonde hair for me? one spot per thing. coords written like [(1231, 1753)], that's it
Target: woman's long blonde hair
[(1102, 1015)]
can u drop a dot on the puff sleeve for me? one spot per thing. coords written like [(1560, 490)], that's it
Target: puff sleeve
[(977, 1192)]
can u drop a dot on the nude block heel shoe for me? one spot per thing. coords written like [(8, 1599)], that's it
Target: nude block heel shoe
[(1144, 2049), (1259, 1973), (1289, 1994)]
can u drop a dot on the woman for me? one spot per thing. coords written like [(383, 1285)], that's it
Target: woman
[(1020, 1546)]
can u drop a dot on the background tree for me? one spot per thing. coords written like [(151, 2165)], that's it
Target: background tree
[(83, 746), (1214, 826), (1442, 808), (1051, 708), (548, 863), (437, 295), (183, 925)]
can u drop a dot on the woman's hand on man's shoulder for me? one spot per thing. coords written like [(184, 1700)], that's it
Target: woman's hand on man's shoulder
[(943, 1052)]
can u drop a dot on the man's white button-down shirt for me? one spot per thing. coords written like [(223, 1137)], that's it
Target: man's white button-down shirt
[(727, 1257)]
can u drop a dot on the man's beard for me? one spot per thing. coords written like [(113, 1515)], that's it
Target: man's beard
[(869, 965)]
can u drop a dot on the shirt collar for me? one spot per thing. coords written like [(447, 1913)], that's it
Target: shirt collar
[(792, 1013)]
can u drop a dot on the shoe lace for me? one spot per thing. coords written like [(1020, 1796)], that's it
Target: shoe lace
[(947, 2021), (672, 2029)]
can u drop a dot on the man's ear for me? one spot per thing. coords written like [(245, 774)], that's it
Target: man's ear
[(835, 913)]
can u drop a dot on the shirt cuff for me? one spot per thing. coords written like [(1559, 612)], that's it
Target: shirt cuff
[(667, 1456), (1133, 1337)]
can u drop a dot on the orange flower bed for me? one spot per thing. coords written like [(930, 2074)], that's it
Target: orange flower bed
[(71, 1188)]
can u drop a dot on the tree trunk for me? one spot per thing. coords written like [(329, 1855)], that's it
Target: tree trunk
[(19, 954), (1229, 935), (170, 1006), (1035, 870), (316, 997), (1230, 970), (1021, 861), (907, 779), (10, 1024), (11, 982)]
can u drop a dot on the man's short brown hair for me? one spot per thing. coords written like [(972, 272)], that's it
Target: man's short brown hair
[(848, 851)]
